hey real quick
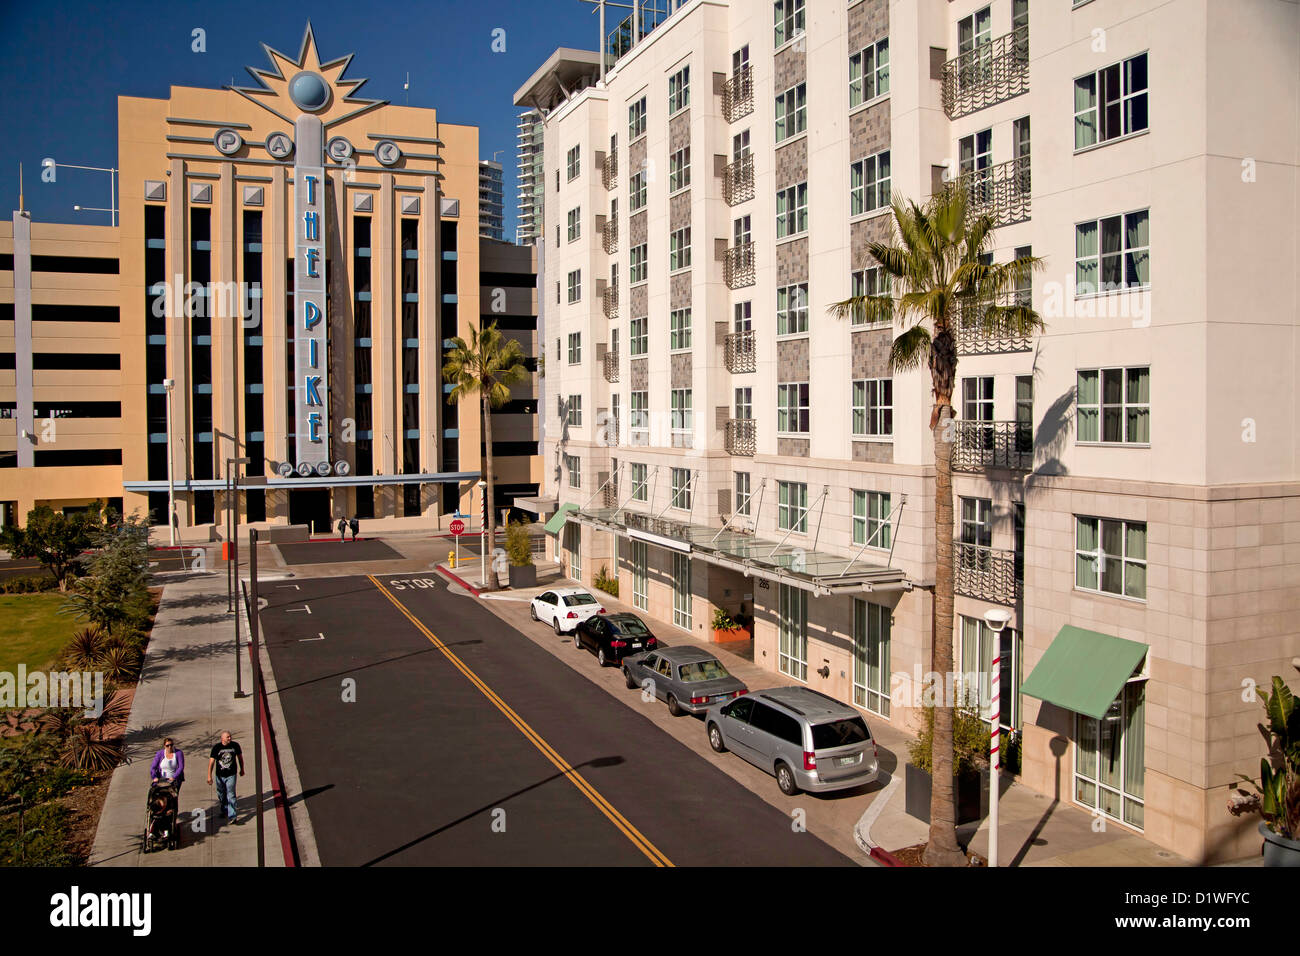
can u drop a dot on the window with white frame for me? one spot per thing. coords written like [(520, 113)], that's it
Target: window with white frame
[(869, 73), (871, 519), (575, 285), (573, 465), (681, 488), (743, 493), (1112, 253), (574, 409), (640, 417), (638, 337), (1110, 757), (869, 180), (792, 408), (679, 249), (1113, 405), (1111, 556), (640, 483), (791, 210), (787, 20), (792, 506), (640, 575), (744, 404), (681, 591), (873, 407), (679, 90), (871, 645), (740, 146), (977, 643), (792, 309), (679, 329), (792, 112), (679, 169), (636, 119), (637, 266), (573, 162), (683, 417), (742, 231), (743, 315), (636, 190), (575, 223), (1111, 102), (792, 631), (573, 544), (872, 280), (575, 348)]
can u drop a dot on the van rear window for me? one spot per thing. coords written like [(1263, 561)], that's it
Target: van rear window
[(840, 733)]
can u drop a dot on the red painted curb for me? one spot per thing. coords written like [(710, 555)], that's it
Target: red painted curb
[(461, 581), (885, 858), (287, 843)]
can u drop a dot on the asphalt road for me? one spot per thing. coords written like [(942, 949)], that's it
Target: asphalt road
[(160, 559), (503, 756)]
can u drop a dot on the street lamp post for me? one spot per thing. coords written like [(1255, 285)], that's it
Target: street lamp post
[(996, 619), (169, 384), (482, 532), (232, 529)]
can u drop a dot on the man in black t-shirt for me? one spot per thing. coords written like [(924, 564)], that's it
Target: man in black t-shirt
[(225, 757)]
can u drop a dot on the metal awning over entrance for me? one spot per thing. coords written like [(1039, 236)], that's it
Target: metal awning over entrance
[(330, 481), (817, 571), (1084, 671)]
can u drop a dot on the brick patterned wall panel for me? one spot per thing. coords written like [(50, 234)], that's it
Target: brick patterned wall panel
[(638, 231), (792, 447), (792, 360), (875, 452), (679, 131), (792, 162), (866, 231), (636, 156), (790, 66), (640, 301), (792, 262), (679, 294), (868, 22), (870, 350), (869, 131), (640, 370), (682, 376), (679, 211)]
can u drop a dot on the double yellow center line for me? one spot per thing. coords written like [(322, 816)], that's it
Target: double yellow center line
[(586, 789)]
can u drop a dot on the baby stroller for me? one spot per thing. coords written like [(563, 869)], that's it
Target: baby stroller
[(160, 817)]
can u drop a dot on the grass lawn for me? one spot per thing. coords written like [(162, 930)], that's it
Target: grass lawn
[(32, 632)]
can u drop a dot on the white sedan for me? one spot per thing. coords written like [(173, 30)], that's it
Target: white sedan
[(564, 608)]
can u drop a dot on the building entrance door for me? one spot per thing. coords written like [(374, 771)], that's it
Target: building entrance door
[(311, 506)]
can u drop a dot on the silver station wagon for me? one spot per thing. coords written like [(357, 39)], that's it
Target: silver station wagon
[(689, 679), (805, 739)]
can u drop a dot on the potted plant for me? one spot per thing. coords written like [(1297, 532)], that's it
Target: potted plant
[(1277, 796), (725, 627), (970, 766), (519, 551), (606, 582)]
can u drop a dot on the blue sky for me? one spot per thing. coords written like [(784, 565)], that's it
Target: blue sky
[(63, 65)]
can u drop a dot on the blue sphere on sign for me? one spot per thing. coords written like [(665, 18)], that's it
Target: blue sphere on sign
[(309, 91)]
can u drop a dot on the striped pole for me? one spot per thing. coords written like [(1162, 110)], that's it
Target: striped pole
[(995, 757)]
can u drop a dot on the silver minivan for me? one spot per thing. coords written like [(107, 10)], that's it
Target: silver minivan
[(805, 739)]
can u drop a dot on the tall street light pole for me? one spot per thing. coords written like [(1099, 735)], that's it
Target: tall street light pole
[(996, 619), (232, 545), (169, 384), (482, 533)]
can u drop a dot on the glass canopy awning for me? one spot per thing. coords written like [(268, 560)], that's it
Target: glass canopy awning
[(782, 562)]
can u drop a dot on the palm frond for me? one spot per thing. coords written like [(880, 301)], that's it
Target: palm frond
[(910, 350)]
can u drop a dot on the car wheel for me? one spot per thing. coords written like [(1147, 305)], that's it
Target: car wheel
[(577, 640), (715, 739), (674, 708), (785, 780), (555, 623), (627, 676), (532, 611), (600, 657)]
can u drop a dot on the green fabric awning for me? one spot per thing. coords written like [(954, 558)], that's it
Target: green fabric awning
[(556, 521), (1083, 671)]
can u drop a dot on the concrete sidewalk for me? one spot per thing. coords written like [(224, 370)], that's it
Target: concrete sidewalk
[(186, 691)]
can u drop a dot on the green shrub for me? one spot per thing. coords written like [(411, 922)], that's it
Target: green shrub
[(722, 621), (519, 545), (970, 742), (604, 582), (28, 585), (45, 838)]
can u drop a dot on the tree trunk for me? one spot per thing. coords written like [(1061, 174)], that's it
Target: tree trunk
[(942, 849), (488, 508)]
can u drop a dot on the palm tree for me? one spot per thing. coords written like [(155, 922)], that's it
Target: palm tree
[(935, 260), (487, 366)]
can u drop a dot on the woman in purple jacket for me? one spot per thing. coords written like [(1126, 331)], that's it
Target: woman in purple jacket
[(168, 765)]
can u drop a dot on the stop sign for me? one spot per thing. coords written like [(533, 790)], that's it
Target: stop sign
[(457, 527)]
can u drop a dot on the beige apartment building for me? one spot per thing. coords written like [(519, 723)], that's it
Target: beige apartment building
[(1127, 480), (290, 262)]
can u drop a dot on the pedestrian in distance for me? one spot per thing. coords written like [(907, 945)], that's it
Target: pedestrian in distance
[(343, 529), (356, 526), (168, 765), (225, 757)]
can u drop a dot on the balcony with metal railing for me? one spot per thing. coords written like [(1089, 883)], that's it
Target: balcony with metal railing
[(983, 445), (741, 351), (738, 95), (738, 267), (738, 181), (988, 74), (611, 366), (609, 236), (987, 574), (609, 171), (742, 437), (1000, 191), (609, 302), (974, 338)]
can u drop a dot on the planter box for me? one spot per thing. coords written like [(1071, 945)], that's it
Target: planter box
[(523, 577), (1278, 850), (972, 795), (734, 634)]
